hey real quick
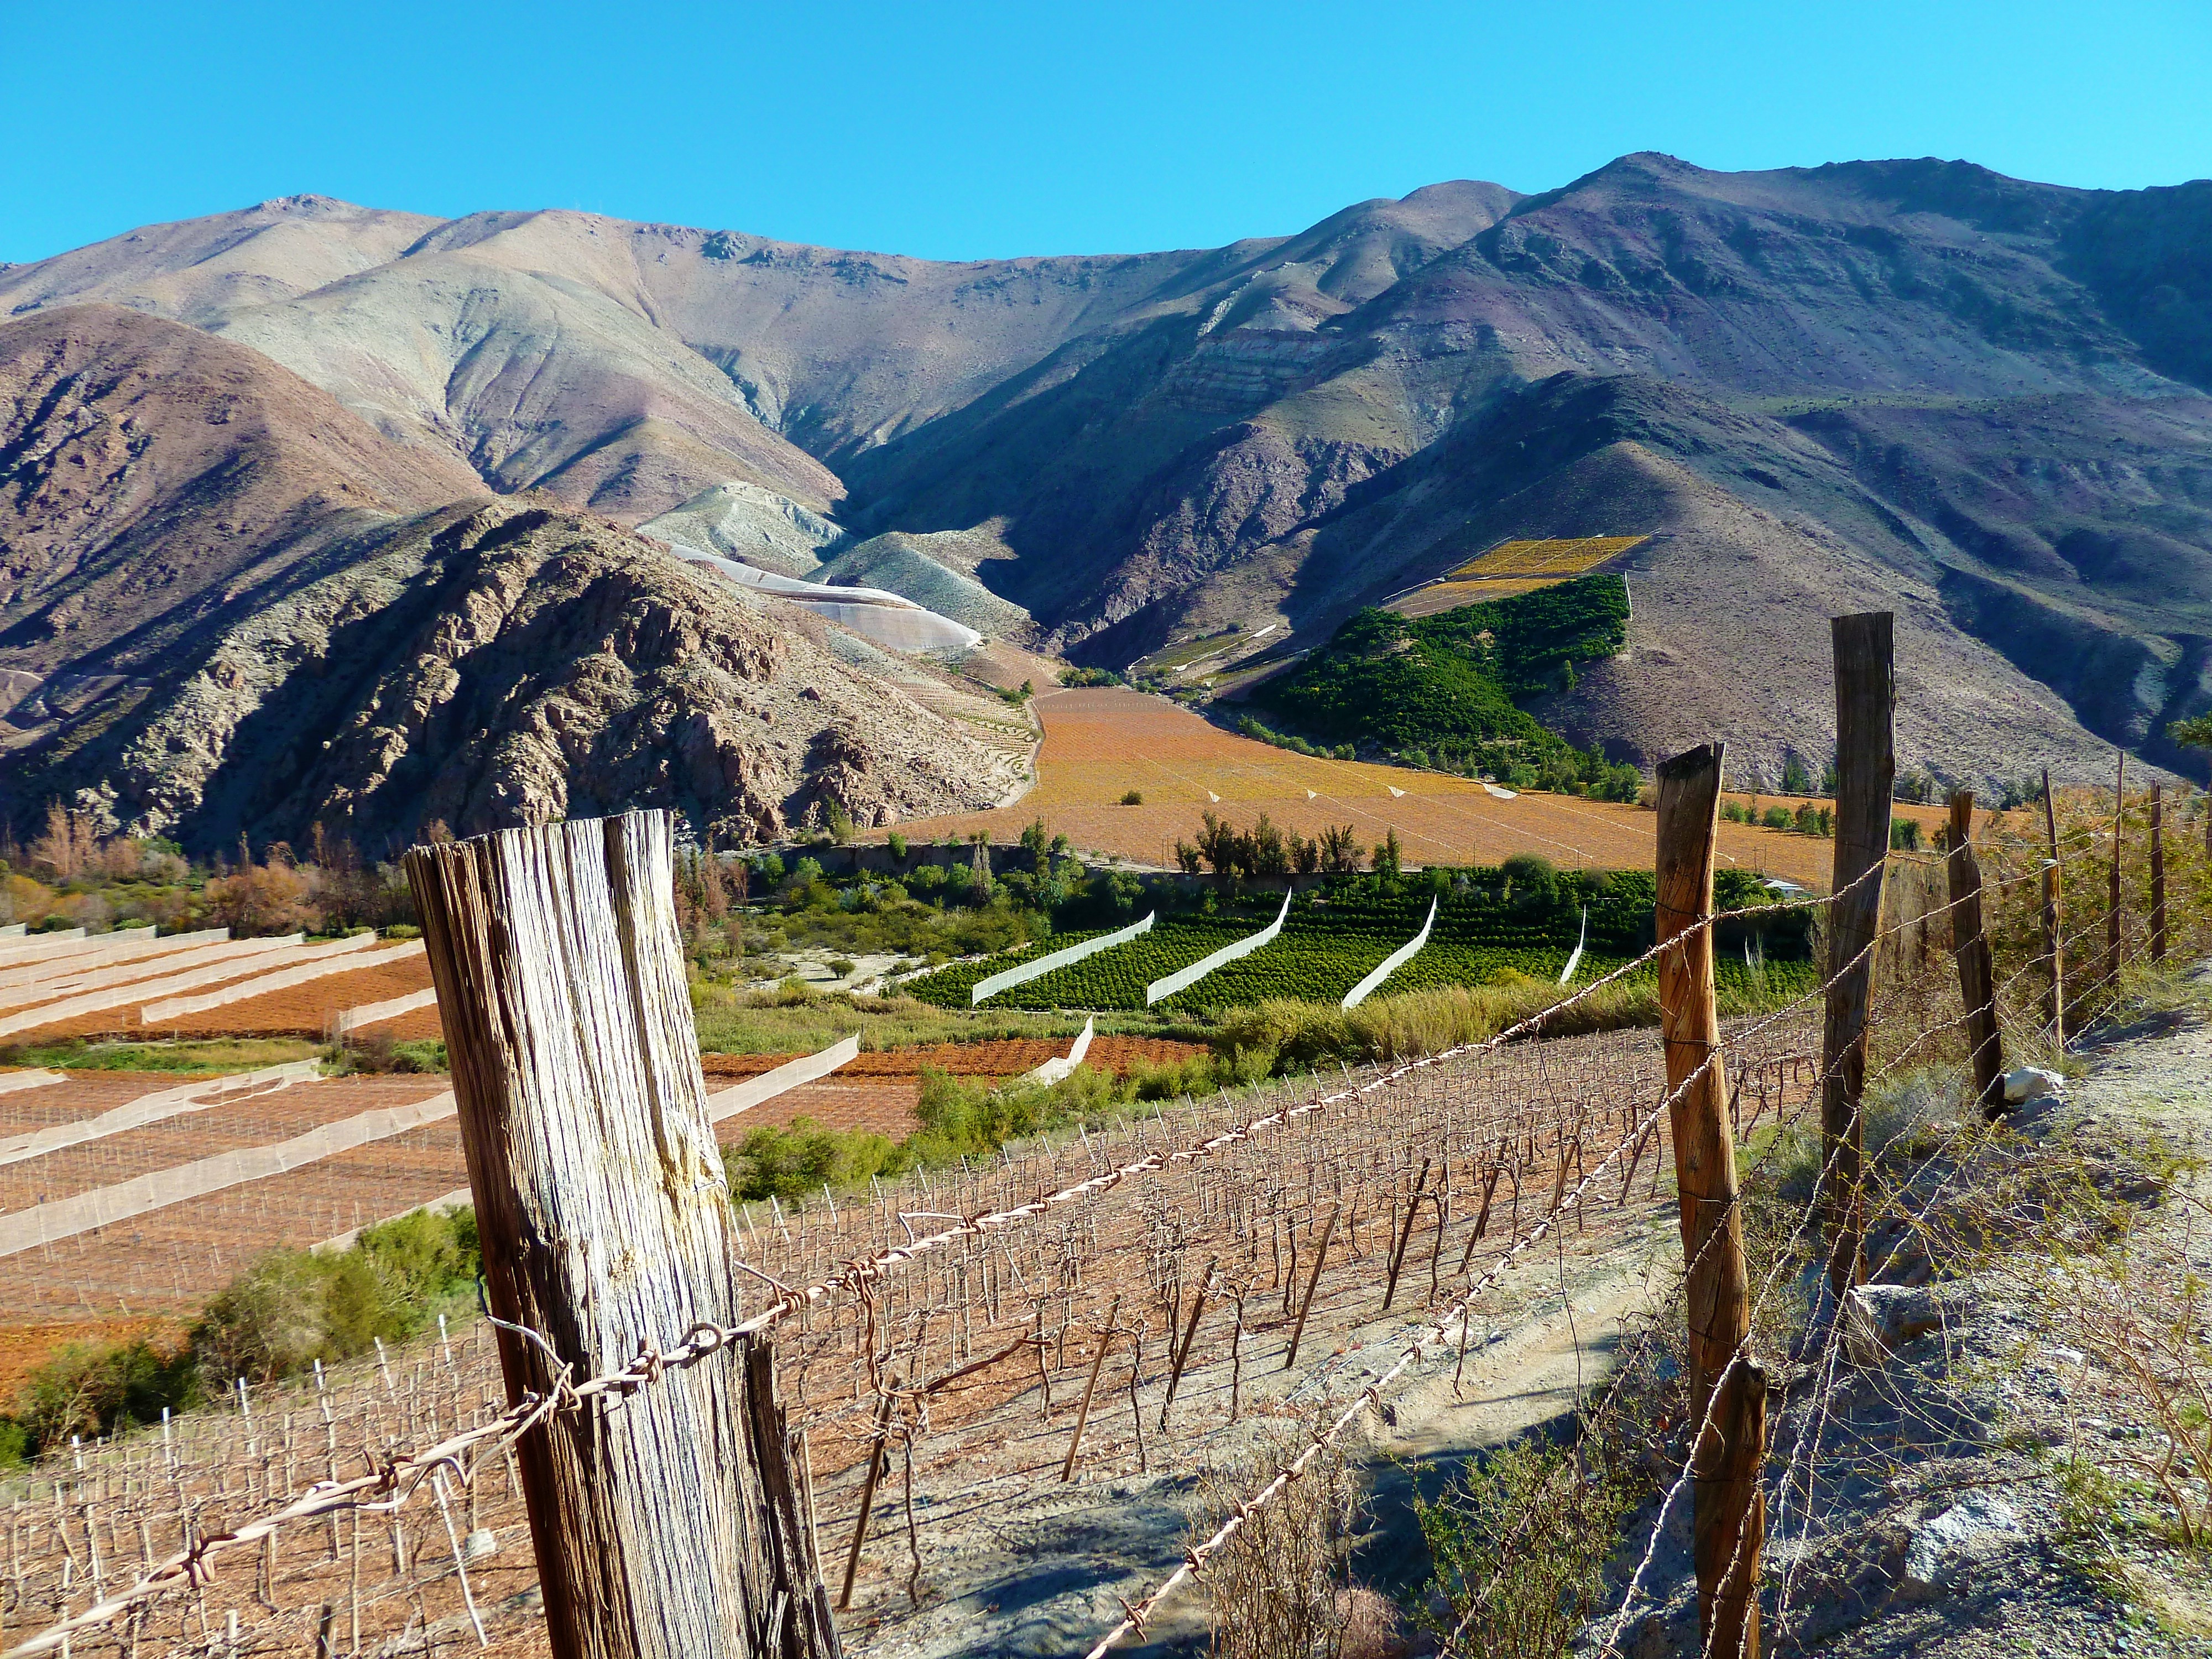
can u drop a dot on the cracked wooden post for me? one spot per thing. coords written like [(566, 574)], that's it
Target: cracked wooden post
[(1866, 771), (606, 1224), (1728, 1387), (1977, 977), (2054, 954)]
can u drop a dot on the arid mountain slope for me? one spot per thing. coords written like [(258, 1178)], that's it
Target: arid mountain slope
[(508, 664), (147, 471), (1925, 376), (230, 605)]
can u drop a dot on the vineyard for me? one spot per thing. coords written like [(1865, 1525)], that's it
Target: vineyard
[(1002, 1378), (1212, 1248), (1483, 935)]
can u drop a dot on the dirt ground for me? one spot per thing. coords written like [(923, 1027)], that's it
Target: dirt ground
[(1099, 743)]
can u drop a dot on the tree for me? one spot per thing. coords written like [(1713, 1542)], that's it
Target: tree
[(1268, 856), (1339, 849), (1187, 857), (2195, 734), (1217, 845), (1390, 856)]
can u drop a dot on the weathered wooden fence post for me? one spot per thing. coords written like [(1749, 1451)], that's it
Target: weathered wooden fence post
[(606, 1224), (1728, 1387), (1976, 978), (2157, 873), (2053, 953), (1866, 772), (2112, 898)]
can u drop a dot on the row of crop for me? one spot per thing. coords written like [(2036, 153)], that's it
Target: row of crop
[(1318, 958), (1112, 979), (948, 987), (1308, 967)]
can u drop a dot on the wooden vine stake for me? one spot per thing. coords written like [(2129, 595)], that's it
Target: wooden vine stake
[(1866, 769), (2157, 871), (2112, 910), (1728, 1387), (606, 1225), (2054, 957), (1970, 944)]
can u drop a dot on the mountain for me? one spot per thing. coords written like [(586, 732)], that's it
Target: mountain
[(1913, 385), (230, 605)]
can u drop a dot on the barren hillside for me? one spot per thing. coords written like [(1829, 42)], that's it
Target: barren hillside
[(1976, 399), (230, 605)]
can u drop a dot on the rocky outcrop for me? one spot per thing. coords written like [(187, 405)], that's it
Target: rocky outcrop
[(516, 664), (228, 605)]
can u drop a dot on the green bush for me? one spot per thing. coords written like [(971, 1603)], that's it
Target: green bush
[(290, 1308)]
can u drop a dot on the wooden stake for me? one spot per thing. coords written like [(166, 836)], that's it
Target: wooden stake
[(1976, 980), (1189, 1331), (1866, 770), (606, 1224), (1728, 1387), (2054, 957), (2157, 873), (2112, 899), (1083, 1411), (1305, 1302), (1405, 1236), (878, 1455)]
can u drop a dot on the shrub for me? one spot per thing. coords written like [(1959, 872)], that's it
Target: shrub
[(1133, 798), (1280, 1589), (1520, 1547), (1905, 835), (92, 1390), (1531, 880), (896, 845), (1777, 817)]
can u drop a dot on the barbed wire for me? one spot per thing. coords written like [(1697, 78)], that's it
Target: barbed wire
[(1439, 1328)]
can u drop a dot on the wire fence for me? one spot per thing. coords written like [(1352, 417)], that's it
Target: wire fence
[(959, 1322)]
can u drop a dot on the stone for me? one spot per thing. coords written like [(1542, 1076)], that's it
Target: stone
[(2025, 1082), (1971, 1530), (1878, 1319)]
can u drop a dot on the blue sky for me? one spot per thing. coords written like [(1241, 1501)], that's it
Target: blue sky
[(984, 131)]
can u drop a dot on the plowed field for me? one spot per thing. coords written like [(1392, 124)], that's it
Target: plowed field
[(1100, 743), (306, 1010)]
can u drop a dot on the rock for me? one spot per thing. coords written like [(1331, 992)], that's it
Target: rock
[(1971, 1530), (2026, 1083), (1878, 1319)]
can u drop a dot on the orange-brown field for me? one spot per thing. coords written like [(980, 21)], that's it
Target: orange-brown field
[(1099, 743)]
